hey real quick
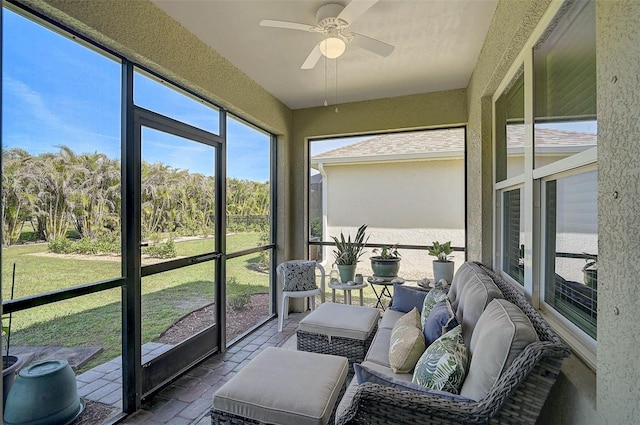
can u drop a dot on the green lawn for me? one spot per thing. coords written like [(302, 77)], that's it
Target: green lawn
[(95, 320)]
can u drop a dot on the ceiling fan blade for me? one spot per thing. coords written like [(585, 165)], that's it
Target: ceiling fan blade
[(371, 44), (313, 58), (285, 25), (355, 9)]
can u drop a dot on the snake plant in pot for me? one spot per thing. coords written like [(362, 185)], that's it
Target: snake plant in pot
[(442, 265), (348, 253)]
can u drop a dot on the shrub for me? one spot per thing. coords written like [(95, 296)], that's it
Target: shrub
[(104, 243), (239, 301), (161, 250), (60, 246), (316, 227)]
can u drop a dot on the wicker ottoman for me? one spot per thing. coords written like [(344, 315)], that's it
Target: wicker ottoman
[(339, 329), (282, 386)]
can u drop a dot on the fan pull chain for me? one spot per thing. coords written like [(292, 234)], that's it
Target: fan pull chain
[(325, 81), (336, 85)]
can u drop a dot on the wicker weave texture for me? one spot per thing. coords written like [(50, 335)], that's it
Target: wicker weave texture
[(516, 398), (353, 349)]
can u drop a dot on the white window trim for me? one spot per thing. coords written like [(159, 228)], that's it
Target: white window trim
[(582, 344)]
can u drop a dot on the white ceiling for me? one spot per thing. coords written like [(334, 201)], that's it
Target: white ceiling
[(437, 44)]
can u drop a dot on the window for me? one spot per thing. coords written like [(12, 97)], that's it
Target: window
[(565, 86), (73, 277), (249, 226), (510, 135), (513, 262), (545, 121), (368, 179), (571, 243)]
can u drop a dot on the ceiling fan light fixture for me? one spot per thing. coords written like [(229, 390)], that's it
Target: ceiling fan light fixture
[(332, 47)]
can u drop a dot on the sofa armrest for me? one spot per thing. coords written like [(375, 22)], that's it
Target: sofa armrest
[(378, 404)]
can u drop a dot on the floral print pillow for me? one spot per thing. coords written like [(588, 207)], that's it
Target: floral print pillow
[(433, 297), (443, 366)]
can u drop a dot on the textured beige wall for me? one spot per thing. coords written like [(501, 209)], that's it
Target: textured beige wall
[(618, 64), (410, 203), (438, 109)]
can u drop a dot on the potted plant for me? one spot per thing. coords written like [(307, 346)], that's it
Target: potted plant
[(387, 263), (348, 253), (442, 265), (590, 270)]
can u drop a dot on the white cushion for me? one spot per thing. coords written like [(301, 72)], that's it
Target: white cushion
[(389, 318), (342, 320), (501, 334), (285, 387), (379, 350)]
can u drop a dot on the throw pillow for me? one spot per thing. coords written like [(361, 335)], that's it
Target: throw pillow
[(299, 275), (367, 374), (443, 365), (440, 321), (407, 343), (430, 300), (406, 298)]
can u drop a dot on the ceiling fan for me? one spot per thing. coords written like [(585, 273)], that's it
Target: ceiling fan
[(333, 20)]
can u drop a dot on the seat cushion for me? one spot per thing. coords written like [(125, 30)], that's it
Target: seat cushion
[(285, 387), (389, 318), (443, 365), (407, 343), (346, 321), (501, 334), (366, 373), (379, 350)]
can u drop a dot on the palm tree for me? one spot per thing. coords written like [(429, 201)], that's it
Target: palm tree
[(16, 201)]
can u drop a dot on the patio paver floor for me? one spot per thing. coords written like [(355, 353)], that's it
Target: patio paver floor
[(188, 399)]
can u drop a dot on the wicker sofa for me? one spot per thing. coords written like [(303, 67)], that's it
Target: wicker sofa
[(515, 397)]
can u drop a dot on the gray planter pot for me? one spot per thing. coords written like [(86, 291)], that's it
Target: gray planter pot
[(347, 272), (11, 364), (443, 270), (385, 267)]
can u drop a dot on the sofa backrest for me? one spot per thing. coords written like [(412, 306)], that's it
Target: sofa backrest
[(502, 332), (470, 293)]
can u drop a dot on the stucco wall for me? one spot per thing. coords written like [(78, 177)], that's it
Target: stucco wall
[(618, 44), (410, 203)]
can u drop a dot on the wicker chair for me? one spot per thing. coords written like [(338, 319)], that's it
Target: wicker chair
[(516, 398)]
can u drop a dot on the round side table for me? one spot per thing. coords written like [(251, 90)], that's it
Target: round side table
[(347, 291)]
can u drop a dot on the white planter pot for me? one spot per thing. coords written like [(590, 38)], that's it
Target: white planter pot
[(443, 270)]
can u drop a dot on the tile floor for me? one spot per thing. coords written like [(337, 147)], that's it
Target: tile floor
[(188, 399)]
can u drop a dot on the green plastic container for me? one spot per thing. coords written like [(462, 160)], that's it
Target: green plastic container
[(44, 393)]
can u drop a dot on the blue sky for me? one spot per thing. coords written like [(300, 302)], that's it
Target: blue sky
[(58, 92)]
